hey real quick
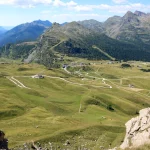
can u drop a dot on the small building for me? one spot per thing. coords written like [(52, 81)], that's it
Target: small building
[(131, 86), (37, 76), (65, 65), (110, 62)]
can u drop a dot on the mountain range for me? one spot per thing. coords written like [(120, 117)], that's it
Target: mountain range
[(118, 38), (123, 38), (25, 32), (2, 30), (132, 27)]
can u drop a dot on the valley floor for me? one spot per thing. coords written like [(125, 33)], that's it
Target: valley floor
[(87, 105)]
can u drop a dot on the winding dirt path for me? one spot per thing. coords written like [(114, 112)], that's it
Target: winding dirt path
[(17, 82), (80, 74), (74, 83)]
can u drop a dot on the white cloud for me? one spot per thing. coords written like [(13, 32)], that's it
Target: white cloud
[(119, 1), (129, 7), (32, 3), (121, 8), (71, 5), (46, 12), (90, 7), (84, 8), (58, 3), (4, 2), (24, 3), (61, 3)]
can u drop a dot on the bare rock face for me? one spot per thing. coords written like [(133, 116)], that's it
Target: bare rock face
[(137, 130)]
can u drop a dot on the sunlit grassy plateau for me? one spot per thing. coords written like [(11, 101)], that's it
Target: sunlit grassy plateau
[(54, 110)]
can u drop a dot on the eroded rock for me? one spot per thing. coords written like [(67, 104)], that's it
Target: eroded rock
[(138, 130)]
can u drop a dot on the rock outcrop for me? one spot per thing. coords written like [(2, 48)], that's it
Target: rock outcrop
[(138, 130)]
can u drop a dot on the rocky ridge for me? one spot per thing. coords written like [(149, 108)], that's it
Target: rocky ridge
[(133, 27), (138, 130)]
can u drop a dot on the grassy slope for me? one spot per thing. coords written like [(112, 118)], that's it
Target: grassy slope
[(106, 54), (49, 111)]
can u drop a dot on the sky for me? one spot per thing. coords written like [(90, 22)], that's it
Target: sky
[(15, 12)]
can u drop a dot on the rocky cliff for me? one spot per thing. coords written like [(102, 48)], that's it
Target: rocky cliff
[(138, 130)]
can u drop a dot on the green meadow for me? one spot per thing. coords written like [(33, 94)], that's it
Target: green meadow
[(79, 107)]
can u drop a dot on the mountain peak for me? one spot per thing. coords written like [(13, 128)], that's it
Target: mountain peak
[(139, 13), (129, 13), (55, 24), (92, 25), (73, 25), (130, 17), (89, 22), (44, 23)]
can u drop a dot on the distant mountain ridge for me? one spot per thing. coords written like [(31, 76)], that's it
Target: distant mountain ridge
[(93, 25), (25, 32), (77, 40), (2, 30), (118, 38), (132, 27), (8, 27)]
